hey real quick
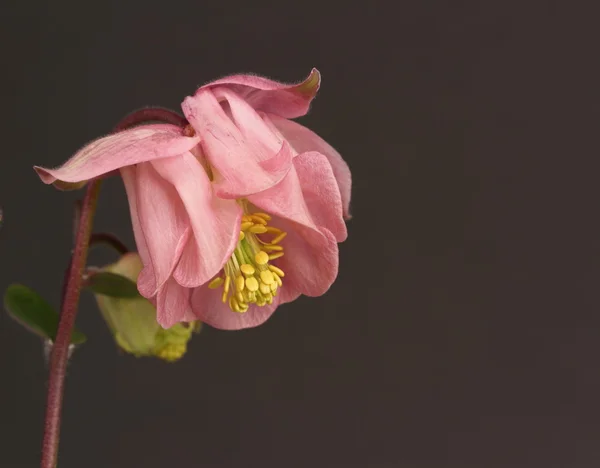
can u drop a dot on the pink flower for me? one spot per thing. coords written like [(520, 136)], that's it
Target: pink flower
[(240, 217)]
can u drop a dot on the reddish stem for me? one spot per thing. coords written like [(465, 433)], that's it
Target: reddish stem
[(150, 114), (60, 349), (109, 239)]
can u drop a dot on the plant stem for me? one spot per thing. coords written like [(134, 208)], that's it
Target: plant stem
[(72, 290), (109, 239), (151, 114), (60, 349)]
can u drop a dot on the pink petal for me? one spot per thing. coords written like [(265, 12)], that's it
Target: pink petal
[(164, 225), (247, 157), (173, 304), (286, 100), (321, 193), (302, 139), (208, 308), (311, 259), (215, 222), (308, 195), (143, 143), (129, 175)]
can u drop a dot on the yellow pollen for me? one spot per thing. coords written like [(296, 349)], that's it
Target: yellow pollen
[(234, 305), (262, 258), (277, 271), (248, 278), (258, 219), (214, 284), (252, 284), (258, 229), (267, 277), (279, 238)]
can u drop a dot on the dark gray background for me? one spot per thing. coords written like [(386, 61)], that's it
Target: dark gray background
[(464, 328)]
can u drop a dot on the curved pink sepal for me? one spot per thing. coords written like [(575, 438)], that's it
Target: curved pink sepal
[(286, 100), (140, 144)]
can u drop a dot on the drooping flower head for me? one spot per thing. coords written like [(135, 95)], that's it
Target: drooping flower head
[(237, 213)]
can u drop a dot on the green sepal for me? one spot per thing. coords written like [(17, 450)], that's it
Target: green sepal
[(112, 285)]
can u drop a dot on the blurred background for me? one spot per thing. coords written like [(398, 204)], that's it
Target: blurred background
[(463, 330)]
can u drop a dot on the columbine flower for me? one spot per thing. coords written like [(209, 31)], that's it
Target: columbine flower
[(236, 214), (133, 320)]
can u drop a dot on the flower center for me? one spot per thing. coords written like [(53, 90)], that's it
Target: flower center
[(248, 277)]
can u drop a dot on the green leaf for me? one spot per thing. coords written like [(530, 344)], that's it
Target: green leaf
[(29, 309), (112, 285)]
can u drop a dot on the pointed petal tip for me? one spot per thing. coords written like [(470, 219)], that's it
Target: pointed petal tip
[(44, 174), (311, 84), (47, 178)]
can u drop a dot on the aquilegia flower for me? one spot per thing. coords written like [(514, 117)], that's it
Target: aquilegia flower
[(238, 213)]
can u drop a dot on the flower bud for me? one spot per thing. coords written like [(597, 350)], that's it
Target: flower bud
[(133, 320)]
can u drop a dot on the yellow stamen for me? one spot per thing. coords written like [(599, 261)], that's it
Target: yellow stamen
[(265, 216), (247, 277), (279, 238), (272, 248), (262, 258), (233, 304), (258, 229), (277, 271), (267, 277), (252, 284), (258, 219), (214, 284)]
